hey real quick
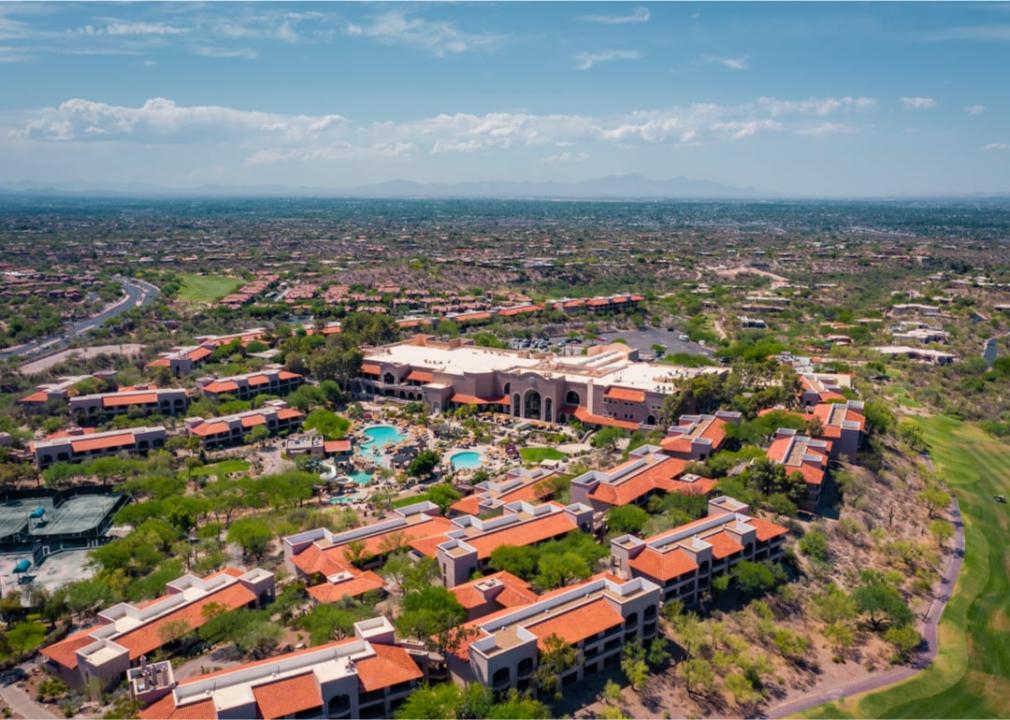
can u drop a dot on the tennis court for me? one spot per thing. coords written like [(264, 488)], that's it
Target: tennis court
[(75, 515)]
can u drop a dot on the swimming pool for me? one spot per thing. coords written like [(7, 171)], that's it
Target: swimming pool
[(361, 477), (466, 460), (379, 436)]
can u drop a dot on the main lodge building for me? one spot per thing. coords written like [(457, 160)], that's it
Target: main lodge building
[(607, 386)]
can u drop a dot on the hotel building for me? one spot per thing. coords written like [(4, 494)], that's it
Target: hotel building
[(805, 455), (271, 380), (607, 386), (684, 561), (490, 496), (143, 399), (234, 429), (649, 470), (598, 617), (365, 676), (80, 445), (126, 633), (182, 360)]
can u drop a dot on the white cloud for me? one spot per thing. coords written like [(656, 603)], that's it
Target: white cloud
[(118, 27), (266, 137), (996, 146), (636, 16), (567, 157), (729, 63), (975, 109), (220, 52), (586, 60), (918, 103), (436, 37)]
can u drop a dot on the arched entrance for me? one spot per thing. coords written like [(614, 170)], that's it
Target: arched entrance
[(532, 405), (572, 398), (549, 409), (516, 406)]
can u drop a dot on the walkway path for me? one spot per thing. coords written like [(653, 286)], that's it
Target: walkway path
[(20, 702), (928, 629)]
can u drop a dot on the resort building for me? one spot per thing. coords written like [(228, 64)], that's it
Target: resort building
[(920, 354), (467, 546), (59, 391), (598, 617), (490, 496), (492, 593), (607, 386), (684, 561), (275, 416), (366, 676), (843, 424), (181, 360), (822, 387), (805, 455), (271, 380), (696, 437), (126, 633), (648, 471), (78, 445), (138, 399), (325, 553)]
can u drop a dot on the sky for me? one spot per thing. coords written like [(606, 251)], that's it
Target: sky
[(826, 99)]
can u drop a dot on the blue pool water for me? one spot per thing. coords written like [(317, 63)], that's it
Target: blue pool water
[(379, 436), (361, 477), (466, 460)]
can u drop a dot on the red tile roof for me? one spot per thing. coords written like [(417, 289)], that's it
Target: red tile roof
[(370, 369), (515, 592), (577, 624), (288, 696), (256, 380), (39, 396), (419, 376), (210, 428), (626, 394), (390, 666), (474, 400), (253, 420), (336, 446), (585, 416), (659, 476), (663, 566), (119, 400), (288, 413), (103, 443), (221, 386), (328, 592)]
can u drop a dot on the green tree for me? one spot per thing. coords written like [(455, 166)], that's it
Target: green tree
[(556, 658), (443, 495), (252, 535), (880, 603), (431, 615), (518, 707), (753, 578), (697, 674), (423, 464), (559, 569), (627, 519), (905, 639), (935, 499), (521, 561), (814, 544), (431, 702)]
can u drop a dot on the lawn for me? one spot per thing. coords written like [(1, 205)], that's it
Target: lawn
[(971, 674), (534, 455), (207, 288), (221, 469)]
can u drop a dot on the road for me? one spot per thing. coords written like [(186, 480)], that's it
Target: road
[(928, 630), (21, 703), (138, 294)]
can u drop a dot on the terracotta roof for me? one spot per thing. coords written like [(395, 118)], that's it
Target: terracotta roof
[(288, 413), (119, 400), (371, 369), (288, 696), (526, 533), (626, 394), (39, 396), (64, 652), (577, 624), (255, 380), (663, 566), (165, 709), (390, 666), (420, 376), (766, 530), (288, 375), (336, 446), (221, 386), (474, 400), (159, 362), (515, 592), (470, 505), (210, 428), (723, 545), (198, 354), (103, 443), (585, 416), (328, 592), (655, 477), (253, 420)]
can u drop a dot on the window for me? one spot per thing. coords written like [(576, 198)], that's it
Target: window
[(501, 677)]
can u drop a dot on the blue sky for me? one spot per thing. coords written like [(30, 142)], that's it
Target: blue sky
[(823, 98)]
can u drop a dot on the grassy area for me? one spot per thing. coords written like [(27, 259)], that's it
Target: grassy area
[(971, 675), (220, 469), (207, 288), (410, 500), (534, 455)]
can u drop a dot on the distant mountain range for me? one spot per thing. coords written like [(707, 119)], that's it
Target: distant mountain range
[(616, 187)]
